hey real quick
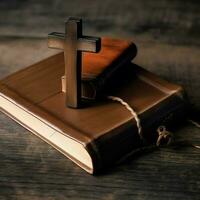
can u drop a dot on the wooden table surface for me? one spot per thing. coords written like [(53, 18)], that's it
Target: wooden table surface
[(31, 169)]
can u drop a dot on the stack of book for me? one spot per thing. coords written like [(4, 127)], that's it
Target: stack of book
[(104, 131)]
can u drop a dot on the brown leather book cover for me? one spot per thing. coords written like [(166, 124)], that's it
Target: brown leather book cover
[(98, 68), (99, 134)]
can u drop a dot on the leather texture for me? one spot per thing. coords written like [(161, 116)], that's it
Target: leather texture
[(101, 126), (40, 86), (112, 51)]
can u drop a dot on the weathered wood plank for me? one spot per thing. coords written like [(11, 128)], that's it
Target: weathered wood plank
[(31, 169)]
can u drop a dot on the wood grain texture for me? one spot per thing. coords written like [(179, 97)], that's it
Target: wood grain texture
[(31, 169)]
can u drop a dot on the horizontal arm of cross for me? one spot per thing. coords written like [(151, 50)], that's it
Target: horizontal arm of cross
[(56, 40), (85, 43), (89, 44)]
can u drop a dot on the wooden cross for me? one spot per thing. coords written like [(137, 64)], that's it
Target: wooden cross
[(73, 43)]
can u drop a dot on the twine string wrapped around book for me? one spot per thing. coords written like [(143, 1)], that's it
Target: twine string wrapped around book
[(163, 134), (130, 109)]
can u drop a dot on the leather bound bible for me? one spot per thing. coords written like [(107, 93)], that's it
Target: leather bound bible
[(98, 135), (98, 68)]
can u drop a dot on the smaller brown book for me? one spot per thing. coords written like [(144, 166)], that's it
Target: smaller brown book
[(98, 68)]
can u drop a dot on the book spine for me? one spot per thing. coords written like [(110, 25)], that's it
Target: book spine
[(92, 89), (125, 58)]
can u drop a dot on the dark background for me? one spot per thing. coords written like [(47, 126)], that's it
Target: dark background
[(175, 22), (167, 33)]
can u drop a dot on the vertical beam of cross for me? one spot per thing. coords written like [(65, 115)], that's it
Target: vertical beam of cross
[(73, 43)]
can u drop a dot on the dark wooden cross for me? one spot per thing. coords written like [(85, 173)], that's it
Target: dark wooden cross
[(73, 43)]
